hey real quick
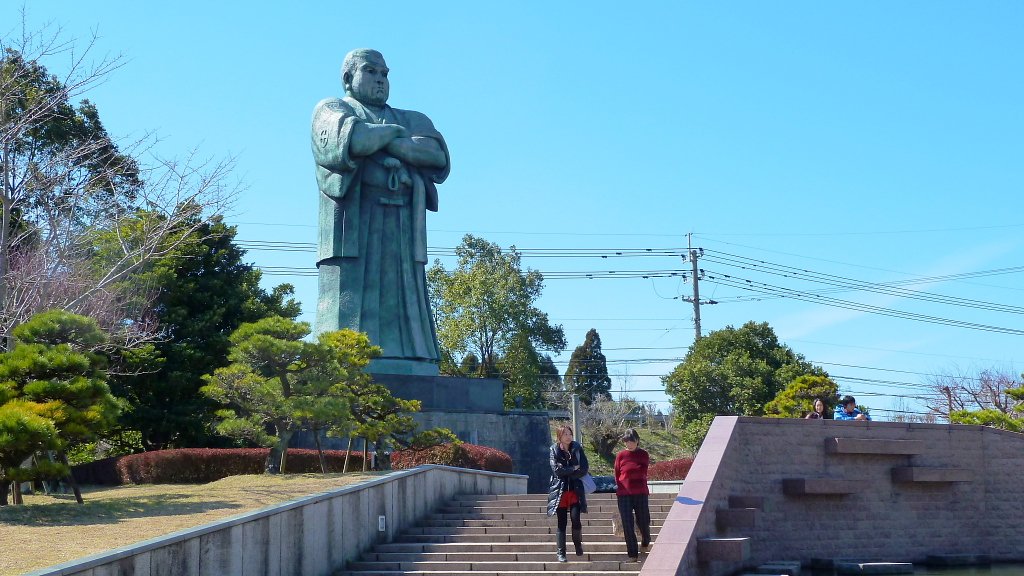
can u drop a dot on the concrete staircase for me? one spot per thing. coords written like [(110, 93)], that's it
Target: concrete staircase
[(477, 535)]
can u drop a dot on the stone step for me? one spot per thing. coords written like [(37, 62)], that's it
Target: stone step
[(929, 474), (542, 546), (540, 497), (539, 520), (500, 567), (745, 501), (819, 486), (505, 535), (540, 508), (726, 518), (723, 549), (779, 567), (878, 446), (941, 560), (565, 571), (608, 515), (874, 568), (510, 556), (495, 538), (551, 528)]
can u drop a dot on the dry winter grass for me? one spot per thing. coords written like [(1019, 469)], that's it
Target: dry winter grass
[(49, 530)]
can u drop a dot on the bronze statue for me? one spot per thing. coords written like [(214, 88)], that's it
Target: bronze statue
[(376, 167)]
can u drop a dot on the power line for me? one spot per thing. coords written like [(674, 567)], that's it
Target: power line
[(746, 284), (890, 289)]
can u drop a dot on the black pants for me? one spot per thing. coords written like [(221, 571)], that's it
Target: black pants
[(628, 506), (565, 514)]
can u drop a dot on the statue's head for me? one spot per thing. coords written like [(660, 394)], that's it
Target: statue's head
[(364, 74)]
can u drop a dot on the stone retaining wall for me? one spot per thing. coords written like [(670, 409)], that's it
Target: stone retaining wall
[(311, 536), (869, 491)]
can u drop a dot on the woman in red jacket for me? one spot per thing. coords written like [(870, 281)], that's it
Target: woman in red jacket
[(632, 492)]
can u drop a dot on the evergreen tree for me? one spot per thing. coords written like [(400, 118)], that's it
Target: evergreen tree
[(55, 373), (204, 292), (486, 302), (520, 370), (23, 432), (732, 372), (587, 373), (260, 386), (470, 365), (278, 383), (797, 398)]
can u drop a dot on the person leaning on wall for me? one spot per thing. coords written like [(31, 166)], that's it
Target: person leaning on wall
[(632, 493), (847, 410), (819, 412), (566, 497)]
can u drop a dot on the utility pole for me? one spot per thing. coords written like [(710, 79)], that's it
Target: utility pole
[(696, 295), (575, 407), (697, 274)]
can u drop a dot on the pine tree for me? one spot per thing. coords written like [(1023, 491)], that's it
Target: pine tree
[(587, 374), (55, 373)]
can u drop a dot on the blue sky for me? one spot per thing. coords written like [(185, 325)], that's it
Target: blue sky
[(878, 141)]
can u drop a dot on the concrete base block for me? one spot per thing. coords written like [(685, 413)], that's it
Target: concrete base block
[(874, 568), (723, 549)]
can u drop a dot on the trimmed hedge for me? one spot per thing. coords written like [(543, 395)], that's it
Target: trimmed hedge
[(670, 469), (201, 465), (460, 455)]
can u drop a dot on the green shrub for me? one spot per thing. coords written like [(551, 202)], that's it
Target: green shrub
[(670, 469), (459, 455), (201, 465)]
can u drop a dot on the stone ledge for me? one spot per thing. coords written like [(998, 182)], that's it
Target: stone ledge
[(819, 486), (736, 518), (874, 568), (723, 549), (737, 501), (943, 560), (924, 474), (783, 567), (873, 446)]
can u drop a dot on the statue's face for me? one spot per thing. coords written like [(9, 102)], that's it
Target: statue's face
[(370, 83)]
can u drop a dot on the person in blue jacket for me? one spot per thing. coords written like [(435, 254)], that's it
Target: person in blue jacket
[(847, 410)]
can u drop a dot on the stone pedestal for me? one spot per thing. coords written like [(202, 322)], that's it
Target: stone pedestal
[(473, 409)]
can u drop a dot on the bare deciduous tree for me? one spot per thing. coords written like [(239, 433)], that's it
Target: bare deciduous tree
[(80, 214), (985, 390), (603, 421)]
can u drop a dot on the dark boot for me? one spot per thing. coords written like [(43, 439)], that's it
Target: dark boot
[(577, 541), (561, 546)]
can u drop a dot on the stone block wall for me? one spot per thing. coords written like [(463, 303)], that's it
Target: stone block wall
[(955, 490), (524, 435)]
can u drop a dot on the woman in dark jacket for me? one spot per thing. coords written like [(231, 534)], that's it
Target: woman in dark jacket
[(566, 497)]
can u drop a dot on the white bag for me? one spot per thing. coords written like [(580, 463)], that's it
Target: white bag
[(589, 486)]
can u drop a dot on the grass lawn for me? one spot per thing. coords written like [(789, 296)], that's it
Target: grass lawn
[(49, 530)]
